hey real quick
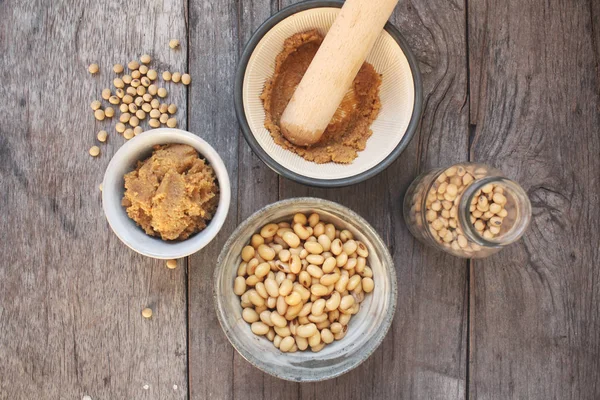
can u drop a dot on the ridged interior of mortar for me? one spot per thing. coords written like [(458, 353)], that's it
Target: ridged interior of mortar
[(397, 96)]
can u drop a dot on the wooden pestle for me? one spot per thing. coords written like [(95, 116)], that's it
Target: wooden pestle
[(333, 69)]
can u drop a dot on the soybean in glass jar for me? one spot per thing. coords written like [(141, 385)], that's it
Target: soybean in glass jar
[(469, 210)]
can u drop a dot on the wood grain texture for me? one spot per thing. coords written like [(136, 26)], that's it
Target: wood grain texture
[(70, 292), (535, 319), (213, 53)]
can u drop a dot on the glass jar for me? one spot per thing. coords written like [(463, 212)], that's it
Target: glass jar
[(469, 210)]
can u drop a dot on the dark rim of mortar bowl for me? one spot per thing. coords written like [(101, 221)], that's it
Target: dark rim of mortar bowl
[(277, 167)]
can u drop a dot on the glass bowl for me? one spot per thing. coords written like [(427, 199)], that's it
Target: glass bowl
[(366, 329)]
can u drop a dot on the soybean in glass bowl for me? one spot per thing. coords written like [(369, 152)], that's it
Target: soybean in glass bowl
[(366, 329)]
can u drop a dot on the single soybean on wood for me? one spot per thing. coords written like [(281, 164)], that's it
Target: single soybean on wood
[(332, 70), (424, 354), (535, 320), (71, 293)]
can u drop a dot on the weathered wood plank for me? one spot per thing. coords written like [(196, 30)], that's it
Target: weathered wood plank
[(70, 292), (213, 51), (423, 356), (535, 318)]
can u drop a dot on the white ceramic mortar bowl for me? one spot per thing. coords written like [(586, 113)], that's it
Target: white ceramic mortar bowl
[(401, 95), (366, 329), (137, 149)]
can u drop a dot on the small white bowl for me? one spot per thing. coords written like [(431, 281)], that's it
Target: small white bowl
[(137, 149)]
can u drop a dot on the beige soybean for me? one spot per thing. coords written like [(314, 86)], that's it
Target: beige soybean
[(300, 219), (301, 231), (324, 241), (268, 231), (265, 317), (318, 290), (318, 307), (259, 328), (295, 264), (315, 259), (329, 279), (306, 331), (313, 248), (361, 250), (284, 255), (247, 253), (353, 282), (272, 287), (95, 105), (260, 289), (341, 284), (94, 151), (315, 340), (281, 305), (262, 270), (346, 302), (285, 287), (314, 271), (293, 299), (329, 264), (368, 285), (266, 252), (255, 298), (99, 115), (286, 344), (306, 310), (327, 336), (349, 247), (252, 280), (250, 315), (102, 135), (346, 235), (239, 286), (291, 239)]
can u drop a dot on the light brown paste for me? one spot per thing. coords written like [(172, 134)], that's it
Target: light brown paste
[(173, 194), (349, 129)]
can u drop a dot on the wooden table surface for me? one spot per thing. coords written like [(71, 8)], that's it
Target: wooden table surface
[(513, 83)]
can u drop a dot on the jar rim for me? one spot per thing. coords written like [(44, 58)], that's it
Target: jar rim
[(521, 221)]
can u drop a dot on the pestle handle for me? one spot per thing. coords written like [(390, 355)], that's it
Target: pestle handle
[(333, 69)]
